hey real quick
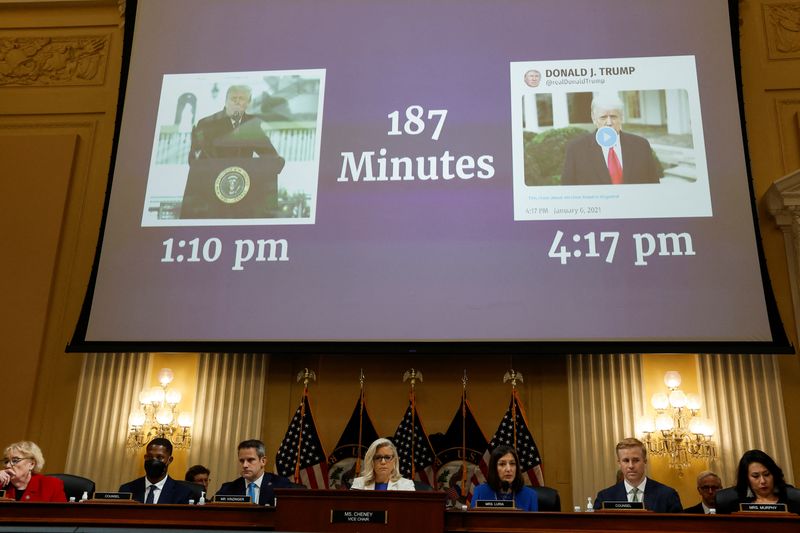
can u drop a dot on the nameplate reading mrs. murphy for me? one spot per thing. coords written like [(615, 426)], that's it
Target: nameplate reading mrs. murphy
[(763, 507)]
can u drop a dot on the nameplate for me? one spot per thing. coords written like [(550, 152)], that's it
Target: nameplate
[(231, 499), (763, 507), (342, 516), (623, 506), (127, 496), (494, 504)]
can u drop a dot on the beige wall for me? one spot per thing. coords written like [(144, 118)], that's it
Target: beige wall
[(56, 130), (70, 124), (771, 73)]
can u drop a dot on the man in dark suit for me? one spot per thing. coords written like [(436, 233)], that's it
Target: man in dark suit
[(156, 486), (609, 155), (708, 483), (231, 132), (233, 166), (635, 486), (255, 482)]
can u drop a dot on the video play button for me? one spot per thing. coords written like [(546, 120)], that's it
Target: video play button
[(606, 137)]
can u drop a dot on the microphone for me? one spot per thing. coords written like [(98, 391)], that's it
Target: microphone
[(237, 119), (505, 486)]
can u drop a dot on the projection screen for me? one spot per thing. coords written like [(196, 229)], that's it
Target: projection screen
[(494, 175)]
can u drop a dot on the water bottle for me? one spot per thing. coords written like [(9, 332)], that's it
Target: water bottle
[(202, 500), (84, 496), (589, 506)]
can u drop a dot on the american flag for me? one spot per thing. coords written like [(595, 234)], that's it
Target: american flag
[(300, 456), (513, 431), (414, 447)]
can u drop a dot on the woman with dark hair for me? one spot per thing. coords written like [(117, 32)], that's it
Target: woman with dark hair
[(760, 480), (504, 481)]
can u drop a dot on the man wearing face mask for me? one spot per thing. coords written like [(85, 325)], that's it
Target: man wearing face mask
[(156, 486)]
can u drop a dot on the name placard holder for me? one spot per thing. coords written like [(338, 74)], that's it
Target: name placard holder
[(355, 516), (622, 506), (503, 505), (110, 497), (763, 508), (231, 499)]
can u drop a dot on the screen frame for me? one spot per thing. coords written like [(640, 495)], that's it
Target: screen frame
[(779, 345)]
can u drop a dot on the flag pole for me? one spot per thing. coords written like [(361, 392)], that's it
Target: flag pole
[(306, 375), (464, 433), (513, 376), (360, 420)]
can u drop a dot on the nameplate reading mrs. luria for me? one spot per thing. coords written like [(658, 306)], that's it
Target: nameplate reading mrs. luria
[(124, 496), (763, 507), (494, 504), (341, 516), (231, 499), (623, 506)]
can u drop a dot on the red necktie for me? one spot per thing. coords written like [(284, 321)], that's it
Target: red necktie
[(614, 168)]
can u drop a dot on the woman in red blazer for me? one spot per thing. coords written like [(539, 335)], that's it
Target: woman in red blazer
[(21, 478)]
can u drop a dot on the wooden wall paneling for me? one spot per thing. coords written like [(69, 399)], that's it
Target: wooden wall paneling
[(59, 75)]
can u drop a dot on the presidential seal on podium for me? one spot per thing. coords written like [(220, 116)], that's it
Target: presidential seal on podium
[(232, 184)]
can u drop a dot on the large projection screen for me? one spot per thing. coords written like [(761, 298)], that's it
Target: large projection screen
[(497, 175)]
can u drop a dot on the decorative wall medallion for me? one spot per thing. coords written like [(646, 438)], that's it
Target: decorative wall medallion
[(782, 23), (53, 61)]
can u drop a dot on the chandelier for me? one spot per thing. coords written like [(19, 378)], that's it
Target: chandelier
[(157, 416), (677, 431)]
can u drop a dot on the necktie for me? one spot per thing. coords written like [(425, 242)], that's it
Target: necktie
[(635, 490), (151, 495), (614, 167), (251, 491)]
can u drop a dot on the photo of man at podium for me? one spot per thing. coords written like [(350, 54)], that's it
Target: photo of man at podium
[(233, 166)]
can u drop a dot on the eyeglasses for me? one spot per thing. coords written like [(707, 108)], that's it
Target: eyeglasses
[(381, 458), (709, 487), (13, 461)]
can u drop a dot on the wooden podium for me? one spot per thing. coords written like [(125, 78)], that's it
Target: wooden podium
[(359, 510)]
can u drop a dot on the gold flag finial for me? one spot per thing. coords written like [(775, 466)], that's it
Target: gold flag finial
[(306, 375), (513, 376), (464, 380), (361, 377), (412, 375)]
